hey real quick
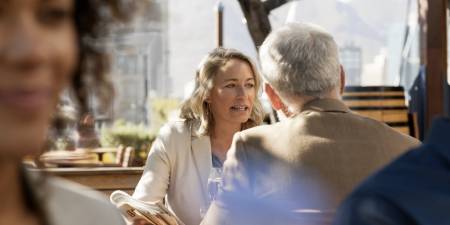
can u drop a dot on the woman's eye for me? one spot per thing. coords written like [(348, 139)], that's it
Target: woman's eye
[(230, 85), (54, 15), (250, 85)]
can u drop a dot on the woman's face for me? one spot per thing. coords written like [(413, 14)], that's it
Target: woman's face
[(38, 55), (231, 99)]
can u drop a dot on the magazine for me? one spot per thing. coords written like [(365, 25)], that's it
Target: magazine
[(153, 213)]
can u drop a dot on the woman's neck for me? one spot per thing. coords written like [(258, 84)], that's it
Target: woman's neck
[(13, 208), (222, 137)]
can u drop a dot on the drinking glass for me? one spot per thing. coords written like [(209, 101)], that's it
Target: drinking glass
[(214, 183), (214, 187)]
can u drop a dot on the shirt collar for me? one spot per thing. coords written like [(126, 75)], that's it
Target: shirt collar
[(326, 105)]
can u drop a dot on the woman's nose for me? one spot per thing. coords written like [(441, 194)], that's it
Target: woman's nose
[(241, 91), (23, 46)]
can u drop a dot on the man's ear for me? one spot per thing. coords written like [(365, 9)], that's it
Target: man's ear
[(274, 98), (342, 75)]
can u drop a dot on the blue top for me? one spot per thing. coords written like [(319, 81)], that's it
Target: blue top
[(216, 163)]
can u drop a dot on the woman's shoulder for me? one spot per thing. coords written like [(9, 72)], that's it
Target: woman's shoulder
[(71, 203), (176, 128)]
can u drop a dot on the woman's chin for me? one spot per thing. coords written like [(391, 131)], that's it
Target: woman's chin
[(242, 120), (245, 118), (26, 143)]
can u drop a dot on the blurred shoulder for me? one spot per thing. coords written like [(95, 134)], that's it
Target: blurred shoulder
[(365, 208), (71, 203)]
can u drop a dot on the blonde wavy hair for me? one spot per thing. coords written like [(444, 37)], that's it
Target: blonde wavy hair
[(196, 110)]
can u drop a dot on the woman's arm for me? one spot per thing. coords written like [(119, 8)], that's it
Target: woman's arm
[(152, 186)]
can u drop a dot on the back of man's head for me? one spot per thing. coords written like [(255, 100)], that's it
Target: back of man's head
[(300, 59)]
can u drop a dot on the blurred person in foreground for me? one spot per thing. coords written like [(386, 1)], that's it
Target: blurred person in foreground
[(414, 189), (223, 102), (44, 48), (314, 157)]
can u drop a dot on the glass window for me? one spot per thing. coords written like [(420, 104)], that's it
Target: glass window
[(371, 34), (157, 56)]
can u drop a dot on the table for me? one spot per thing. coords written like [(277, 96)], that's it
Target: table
[(103, 179), (101, 151)]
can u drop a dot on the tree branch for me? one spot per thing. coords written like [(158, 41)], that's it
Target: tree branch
[(270, 5), (257, 20), (256, 13)]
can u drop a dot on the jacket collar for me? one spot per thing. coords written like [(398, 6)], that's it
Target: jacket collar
[(325, 105), (201, 153)]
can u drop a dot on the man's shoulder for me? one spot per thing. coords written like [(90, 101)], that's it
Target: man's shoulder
[(378, 128), (260, 131), (71, 203), (262, 135)]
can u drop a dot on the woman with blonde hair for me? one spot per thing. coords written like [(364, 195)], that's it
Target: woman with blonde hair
[(223, 102)]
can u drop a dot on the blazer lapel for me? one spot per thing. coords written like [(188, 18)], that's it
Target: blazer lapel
[(201, 153)]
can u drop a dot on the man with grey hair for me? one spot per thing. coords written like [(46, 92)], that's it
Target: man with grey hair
[(315, 157)]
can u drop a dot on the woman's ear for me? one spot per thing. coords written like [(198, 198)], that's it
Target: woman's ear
[(207, 98), (274, 98)]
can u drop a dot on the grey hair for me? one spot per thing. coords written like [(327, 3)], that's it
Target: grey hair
[(300, 59)]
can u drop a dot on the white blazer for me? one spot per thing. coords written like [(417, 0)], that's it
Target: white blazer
[(177, 168)]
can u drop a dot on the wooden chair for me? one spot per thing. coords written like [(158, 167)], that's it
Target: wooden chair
[(124, 156), (383, 103)]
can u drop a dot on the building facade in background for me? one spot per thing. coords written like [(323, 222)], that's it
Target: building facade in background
[(352, 61), (140, 63)]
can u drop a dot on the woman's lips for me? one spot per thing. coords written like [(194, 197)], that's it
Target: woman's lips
[(26, 100)]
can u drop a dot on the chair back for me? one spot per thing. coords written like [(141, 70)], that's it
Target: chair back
[(383, 103)]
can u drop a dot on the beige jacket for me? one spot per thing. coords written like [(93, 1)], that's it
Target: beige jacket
[(177, 169), (312, 160)]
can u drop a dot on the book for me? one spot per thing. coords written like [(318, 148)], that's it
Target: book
[(133, 209)]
